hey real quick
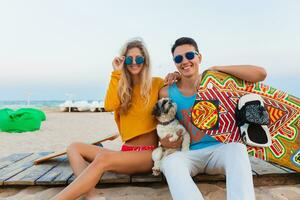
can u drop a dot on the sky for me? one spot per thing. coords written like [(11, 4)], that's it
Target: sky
[(52, 48)]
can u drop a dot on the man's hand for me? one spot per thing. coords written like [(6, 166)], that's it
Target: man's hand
[(165, 142)]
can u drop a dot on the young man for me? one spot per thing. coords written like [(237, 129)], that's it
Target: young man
[(207, 155)]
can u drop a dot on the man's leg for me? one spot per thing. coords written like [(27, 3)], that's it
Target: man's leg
[(232, 160), (179, 168)]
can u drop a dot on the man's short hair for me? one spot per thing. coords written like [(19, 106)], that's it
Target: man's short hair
[(183, 41)]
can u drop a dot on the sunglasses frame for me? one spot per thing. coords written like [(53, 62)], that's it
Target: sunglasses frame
[(138, 61), (185, 55)]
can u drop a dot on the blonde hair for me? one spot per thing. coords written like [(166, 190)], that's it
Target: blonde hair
[(125, 88)]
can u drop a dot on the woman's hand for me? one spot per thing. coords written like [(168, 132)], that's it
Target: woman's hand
[(165, 142), (118, 63), (172, 77)]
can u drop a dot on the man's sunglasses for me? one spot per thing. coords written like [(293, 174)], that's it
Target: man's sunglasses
[(138, 60), (189, 55)]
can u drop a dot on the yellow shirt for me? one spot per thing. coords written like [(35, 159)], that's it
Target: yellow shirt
[(138, 120)]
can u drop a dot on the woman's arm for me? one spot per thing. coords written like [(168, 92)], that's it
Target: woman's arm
[(246, 72), (112, 100)]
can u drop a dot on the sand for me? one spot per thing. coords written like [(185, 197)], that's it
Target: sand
[(61, 129)]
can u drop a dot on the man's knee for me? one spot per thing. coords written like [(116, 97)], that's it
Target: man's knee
[(172, 163), (237, 154), (236, 149)]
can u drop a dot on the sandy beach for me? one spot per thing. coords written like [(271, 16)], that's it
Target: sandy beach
[(61, 129)]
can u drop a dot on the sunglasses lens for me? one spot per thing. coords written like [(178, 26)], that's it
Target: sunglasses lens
[(139, 60), (190, 55), (128, 60), (178, 59)]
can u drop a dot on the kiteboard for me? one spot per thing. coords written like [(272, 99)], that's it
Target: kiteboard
[(214, 113)]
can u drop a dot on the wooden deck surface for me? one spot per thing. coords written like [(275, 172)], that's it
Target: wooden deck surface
[(18, 169)]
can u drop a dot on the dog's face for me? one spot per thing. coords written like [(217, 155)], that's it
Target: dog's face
[(164, 110)]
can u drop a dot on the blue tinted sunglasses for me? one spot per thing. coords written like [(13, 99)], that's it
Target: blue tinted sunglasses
[(189, 55), (138, 60)]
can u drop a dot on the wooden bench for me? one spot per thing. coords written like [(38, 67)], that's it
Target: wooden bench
[(19, 169)]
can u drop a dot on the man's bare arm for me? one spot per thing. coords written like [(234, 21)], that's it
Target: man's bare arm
[(163, 92), (246, 72)]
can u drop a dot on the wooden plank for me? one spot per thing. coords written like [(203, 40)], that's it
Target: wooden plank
[(208, 177), (19, 166), (277, 179), (71, 179), (109, 177), (145, 178), (263, 168), (254, 173), (288, 170), (64, 175), (12, 158), (31, 174), (58, 175), (21, 171)]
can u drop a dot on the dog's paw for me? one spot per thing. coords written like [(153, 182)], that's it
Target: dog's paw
[(185, 148), (155, 171)]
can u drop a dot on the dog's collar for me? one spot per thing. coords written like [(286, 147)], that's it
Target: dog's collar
[(166, 123)]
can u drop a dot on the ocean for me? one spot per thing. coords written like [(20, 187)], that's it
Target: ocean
[(35, 103), (38, 104)]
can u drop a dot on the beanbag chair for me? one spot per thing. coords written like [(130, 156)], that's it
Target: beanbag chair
[(21, 120)]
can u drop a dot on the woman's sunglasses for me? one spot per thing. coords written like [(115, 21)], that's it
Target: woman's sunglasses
[(189, 55), (138, 60)]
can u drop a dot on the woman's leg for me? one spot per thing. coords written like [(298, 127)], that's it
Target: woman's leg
[(78, 155), (121, 162)]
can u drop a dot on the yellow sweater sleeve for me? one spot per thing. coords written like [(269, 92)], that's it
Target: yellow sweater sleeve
[(112, 100)]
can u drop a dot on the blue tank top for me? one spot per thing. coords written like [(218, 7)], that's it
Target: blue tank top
[(183, 114)]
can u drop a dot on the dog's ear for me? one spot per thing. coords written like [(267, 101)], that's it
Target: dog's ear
[(156, 111)]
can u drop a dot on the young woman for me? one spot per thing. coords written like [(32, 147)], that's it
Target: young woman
[(132, 94)]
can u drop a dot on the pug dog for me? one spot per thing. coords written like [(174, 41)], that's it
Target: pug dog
[(165, 111)]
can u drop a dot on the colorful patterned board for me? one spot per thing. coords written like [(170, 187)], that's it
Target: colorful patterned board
[(218, 120)]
